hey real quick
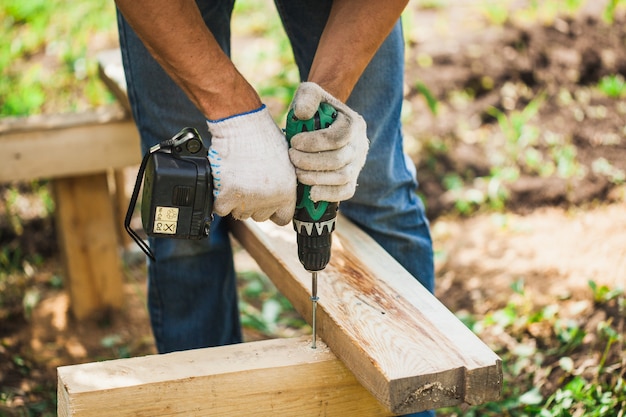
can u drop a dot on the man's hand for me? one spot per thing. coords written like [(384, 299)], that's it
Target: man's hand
[(328, 159), (252, 174)]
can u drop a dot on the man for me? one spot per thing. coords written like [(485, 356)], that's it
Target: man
[(350, 52)]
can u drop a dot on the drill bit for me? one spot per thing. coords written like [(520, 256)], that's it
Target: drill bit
[(314, 299)]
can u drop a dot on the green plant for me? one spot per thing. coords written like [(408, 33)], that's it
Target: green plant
[(496, 12), (518, 132), (611, 9), (539, 343), (569, 334), (263, 309), (584, 398), (564, 157), (603, 293), (455, 185), (602, 166), (116, 345), (520, 150), (431, 101), (431, 4), (548, 10), (13, 281), (612, 336), (282, 85), (613, 86), (533, 151)]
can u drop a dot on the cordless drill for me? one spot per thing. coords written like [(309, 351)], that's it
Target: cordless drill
[(313, 221), (178, 201)]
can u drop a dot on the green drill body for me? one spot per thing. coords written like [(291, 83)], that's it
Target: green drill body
[(313, 222)]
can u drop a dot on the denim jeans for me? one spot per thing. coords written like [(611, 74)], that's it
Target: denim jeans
[(192, 295)]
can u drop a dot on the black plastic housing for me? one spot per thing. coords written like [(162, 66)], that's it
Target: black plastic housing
[(178, 192)]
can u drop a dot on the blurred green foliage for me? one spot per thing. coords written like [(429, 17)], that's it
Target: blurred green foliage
[(264, 310), (613, 86), (555, 365), (45, 61)]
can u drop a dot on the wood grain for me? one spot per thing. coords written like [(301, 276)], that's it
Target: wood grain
[(89, 244), (281, 377), (111, 72), (401, 343), (67, 145)]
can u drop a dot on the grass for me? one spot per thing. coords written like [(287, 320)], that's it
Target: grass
[(45, 61), (613, 86), (500, 12), (554, 363), (265, 311), (520, 147)]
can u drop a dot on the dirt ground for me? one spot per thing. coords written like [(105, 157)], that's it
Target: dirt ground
[(505, 68), (557, 232), (563, 230)]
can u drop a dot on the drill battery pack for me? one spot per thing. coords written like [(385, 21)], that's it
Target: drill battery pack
[(177, 199)]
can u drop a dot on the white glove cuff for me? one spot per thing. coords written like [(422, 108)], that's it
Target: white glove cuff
[(246, 130), (252, 173)]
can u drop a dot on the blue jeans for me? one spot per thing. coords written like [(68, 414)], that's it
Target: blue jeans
[(192, 295)]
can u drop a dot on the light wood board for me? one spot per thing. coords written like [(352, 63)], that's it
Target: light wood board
[(88, 237), (66, 145), (401, 343), (281, 377)]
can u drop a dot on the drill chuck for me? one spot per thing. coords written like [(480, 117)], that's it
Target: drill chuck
[(314, 237)]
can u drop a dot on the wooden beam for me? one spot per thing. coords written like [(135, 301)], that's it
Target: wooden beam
[(280, 377), (111, 71), (67, 145), (400, 342), (121, 200), (407, 350), (89, 244)]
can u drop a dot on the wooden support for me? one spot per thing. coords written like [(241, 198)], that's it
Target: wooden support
[(89, 244), (67, 145), (400, 342), (111, 72), (407, 350), (280, 377), (121, 200), (77, 151)]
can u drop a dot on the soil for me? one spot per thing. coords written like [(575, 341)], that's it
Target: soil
[(504, 68), (556, 232)]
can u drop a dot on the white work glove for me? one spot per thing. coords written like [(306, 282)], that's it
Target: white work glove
[(252, 173), (328, 159)]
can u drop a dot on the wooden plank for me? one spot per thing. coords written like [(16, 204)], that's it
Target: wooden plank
[(111, 71), (400, 342), (280, 377), (67, 145), (89, 243), (121, 200)]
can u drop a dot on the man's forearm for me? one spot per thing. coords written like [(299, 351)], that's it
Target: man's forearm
[(354, 32), (177, 37)]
